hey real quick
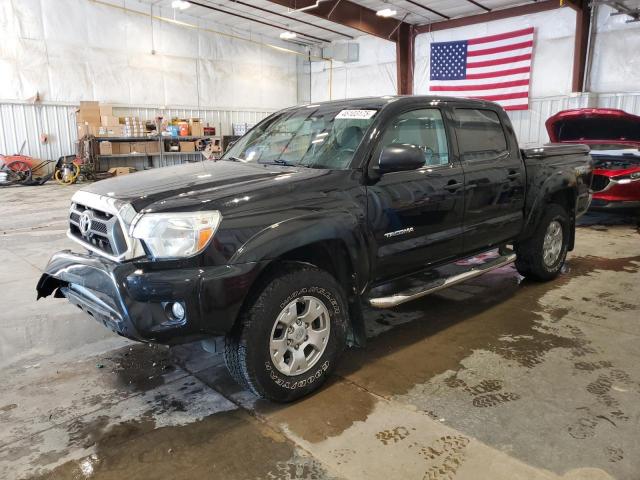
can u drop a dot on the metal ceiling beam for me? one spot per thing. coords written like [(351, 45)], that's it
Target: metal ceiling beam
[(479, 5), (290, 18), (349, 14), (255, 20), (435, 12), (529, 8)]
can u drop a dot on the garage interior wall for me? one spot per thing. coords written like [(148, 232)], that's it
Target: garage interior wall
[(373, 74), (615, 74), (72, 50)]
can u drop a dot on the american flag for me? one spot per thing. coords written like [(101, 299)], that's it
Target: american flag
[(495, 68)]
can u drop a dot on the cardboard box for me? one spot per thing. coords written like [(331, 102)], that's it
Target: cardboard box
[(138, 147), (109, 120), (110, 131), (89, 113), (152, 147), (105, 148), (197, 129), (124, 147), (187, 146), (116, 171), (106, 110), (86, 130)]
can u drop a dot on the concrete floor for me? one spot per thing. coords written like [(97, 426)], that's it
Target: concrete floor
[(495, 378)]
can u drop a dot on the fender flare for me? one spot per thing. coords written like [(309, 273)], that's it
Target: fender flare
[(551, 186), (281, 237)]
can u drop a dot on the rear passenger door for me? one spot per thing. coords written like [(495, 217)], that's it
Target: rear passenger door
[(416, 216), (494, 178)]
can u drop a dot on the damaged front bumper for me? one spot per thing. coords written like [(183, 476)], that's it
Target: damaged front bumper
[(134, 299)]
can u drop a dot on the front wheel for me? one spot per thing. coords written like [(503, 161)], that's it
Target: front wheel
[(541, 256), (290, 335)]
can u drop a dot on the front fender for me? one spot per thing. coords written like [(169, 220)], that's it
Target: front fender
[(279, 238)]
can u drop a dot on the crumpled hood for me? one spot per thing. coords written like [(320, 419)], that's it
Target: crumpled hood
[(594, 126), (207, 181)]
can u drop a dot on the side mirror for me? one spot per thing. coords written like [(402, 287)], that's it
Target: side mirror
[(399, 157)]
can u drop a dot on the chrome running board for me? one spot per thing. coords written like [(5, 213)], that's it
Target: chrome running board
[(434, 284)]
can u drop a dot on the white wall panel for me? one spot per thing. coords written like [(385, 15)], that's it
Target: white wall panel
[(373, 74), (72, 50), (529, 124), (616, 53), (629, 102)]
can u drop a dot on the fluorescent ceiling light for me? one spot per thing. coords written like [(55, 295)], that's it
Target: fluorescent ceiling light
[(288, 35), (180, 4), (386, 12)]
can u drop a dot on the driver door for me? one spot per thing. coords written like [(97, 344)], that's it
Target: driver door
[(416, 216)]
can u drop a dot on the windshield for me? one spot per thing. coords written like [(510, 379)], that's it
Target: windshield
[(317, 136)]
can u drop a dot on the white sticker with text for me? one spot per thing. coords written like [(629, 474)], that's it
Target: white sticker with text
[(356, 114)]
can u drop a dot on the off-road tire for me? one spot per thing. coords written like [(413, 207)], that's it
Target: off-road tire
[(530, 253), (246, 350)]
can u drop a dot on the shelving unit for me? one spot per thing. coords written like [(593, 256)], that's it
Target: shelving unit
[(150, 159)]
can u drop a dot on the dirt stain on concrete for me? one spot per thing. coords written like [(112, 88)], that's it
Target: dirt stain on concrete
[(230, 445)]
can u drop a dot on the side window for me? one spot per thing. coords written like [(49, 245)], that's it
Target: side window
[(480, 134), (424, 129)]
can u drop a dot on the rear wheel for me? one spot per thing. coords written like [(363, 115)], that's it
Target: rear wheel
[(541, 256), (290, 335)]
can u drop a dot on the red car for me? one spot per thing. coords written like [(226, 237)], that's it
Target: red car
[(614, 138)]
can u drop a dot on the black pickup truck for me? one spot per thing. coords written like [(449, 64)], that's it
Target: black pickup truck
[(314, 213)]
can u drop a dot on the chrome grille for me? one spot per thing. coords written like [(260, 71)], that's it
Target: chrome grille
[(599, 183), (102, 230), (107, 234)]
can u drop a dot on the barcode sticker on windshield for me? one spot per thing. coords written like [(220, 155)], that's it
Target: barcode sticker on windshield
[(356, 114)]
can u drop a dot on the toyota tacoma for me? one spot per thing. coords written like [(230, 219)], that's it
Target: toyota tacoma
[(316, 212)]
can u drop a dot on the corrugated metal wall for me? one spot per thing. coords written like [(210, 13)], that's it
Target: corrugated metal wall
[(529, 124), (24, 123)]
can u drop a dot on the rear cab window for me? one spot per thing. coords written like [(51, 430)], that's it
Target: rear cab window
[(480, 134)]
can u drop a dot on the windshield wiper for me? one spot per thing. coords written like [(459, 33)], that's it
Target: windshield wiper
[(232, 159), (279, 161)]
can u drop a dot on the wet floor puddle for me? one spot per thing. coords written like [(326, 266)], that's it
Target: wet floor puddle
[(230, 445), (496, 312)]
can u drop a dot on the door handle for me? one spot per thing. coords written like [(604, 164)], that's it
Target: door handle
[(452, 186), (513, 175)]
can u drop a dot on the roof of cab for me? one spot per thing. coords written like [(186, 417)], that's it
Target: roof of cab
[(382, 101)]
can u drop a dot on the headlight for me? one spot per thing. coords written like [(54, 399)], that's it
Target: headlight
[(176, 235), (623, 179)]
